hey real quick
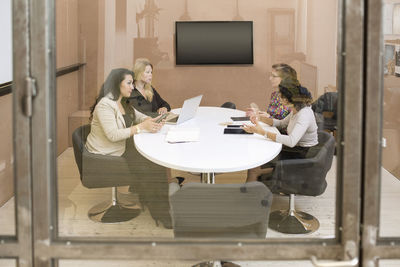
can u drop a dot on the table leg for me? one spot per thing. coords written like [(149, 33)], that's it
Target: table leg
[(208, 178)]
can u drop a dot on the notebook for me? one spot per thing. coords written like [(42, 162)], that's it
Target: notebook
[(188, 111), (182, 135)]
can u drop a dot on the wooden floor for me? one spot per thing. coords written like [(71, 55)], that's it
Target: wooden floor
[(75, 200)]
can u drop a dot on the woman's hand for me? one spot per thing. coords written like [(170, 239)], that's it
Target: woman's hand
[(151, 125), (260, 115), (256, 128), (162, 110), (251, 112), (264, 117), (254, 119), (263, 114)]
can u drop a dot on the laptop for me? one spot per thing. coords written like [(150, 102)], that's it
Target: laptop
[(188, 111)]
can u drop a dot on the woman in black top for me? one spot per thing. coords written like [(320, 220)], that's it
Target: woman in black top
[(144, 97)]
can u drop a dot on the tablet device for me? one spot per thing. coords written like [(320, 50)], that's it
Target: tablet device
[(240, 118), (163, 116), (235, 131), (234, 126)]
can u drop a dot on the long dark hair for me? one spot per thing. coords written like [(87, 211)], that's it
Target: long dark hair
[(290, 87), (296, 94), (112, 85)]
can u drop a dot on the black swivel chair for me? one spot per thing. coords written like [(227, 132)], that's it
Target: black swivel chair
[(230, 105), (200, 210), (301, 177), (325, 108), (99, 171)]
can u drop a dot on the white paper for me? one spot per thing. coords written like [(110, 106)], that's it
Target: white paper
[(182, 135)]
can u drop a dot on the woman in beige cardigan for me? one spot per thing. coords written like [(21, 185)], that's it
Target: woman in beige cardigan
[(113, 123)]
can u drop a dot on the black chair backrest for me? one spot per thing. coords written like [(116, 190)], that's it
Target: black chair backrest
[(305, 176), (230, 105), (326, 102), (79, 137), (98, 171), (221, 210)]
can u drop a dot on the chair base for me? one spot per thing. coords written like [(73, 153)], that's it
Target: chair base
[(107, 212), (292, 222)]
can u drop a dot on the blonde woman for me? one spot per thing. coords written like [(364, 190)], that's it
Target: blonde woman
[(276, 109), (144, 97)]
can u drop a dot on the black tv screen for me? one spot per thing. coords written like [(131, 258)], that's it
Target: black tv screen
[(214, 42)]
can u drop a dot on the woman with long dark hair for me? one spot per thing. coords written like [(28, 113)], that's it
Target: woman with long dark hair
[(113, 123)]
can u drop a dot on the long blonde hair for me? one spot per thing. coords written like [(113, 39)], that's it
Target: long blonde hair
[(138, 69)]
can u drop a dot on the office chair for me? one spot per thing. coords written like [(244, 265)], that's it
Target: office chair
[(230, 105), (99, 171), (201, 210), (224, 211), (325, 108), (300, 177)]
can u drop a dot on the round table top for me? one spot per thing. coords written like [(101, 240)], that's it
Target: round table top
[(215, 151)]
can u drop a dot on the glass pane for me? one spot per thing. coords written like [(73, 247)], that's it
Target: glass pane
[(390, 215), (8, 263), (115, 34), (7, 212), (389, 263)]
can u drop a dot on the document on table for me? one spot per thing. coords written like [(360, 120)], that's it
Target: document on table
[(182, 135)]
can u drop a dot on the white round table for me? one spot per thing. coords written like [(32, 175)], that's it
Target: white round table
[(215, 152)]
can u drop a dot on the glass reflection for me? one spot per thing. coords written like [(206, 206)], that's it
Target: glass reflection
[(132, 30), (390, 175), (7, 212), (389, 263), (7, 203), (8, 263)]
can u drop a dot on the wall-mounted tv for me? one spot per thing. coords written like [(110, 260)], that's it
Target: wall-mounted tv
[(214, 42)]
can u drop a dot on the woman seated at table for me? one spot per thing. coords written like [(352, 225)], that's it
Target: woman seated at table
[(113, 123), (144, 97), (300, 124), (276, 109)]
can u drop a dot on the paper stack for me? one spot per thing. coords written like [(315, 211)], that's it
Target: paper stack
[(182, 135)]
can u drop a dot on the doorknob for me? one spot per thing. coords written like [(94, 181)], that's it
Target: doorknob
[(350, 249), (350, 263)]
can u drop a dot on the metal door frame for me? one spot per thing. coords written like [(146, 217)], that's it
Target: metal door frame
[(374, 247), (38, 241), (20, 246)]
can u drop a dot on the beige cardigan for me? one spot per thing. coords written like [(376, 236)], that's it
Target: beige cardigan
[(108, 131)]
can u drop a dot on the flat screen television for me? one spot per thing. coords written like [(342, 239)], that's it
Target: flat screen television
[(214, 42)]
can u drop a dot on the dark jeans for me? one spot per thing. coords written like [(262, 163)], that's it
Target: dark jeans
[(150, 181)]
